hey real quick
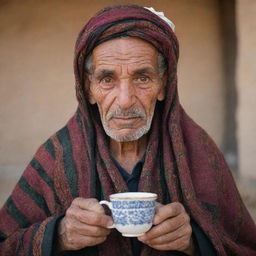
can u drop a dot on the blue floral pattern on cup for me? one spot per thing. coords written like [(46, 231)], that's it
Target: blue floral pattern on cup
[(133, 212), (132, 204), (133, 217)]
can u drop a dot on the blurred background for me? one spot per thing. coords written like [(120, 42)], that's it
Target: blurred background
[(217, 76)]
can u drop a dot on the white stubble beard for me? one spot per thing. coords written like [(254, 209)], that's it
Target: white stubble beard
[(138, 133)]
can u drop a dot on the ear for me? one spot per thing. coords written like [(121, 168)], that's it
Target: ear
[(87, 86), (161, 94)]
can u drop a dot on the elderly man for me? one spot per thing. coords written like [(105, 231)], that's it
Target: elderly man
[(129, 134)]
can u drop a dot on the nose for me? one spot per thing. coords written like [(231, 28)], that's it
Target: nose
[(126, 95)]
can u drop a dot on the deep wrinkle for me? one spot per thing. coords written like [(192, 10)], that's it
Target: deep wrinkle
[(125, 84)]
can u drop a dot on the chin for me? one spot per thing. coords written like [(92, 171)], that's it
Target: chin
[(127, 136)]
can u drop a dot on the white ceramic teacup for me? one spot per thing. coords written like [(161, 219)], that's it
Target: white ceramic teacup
[(132, 212)]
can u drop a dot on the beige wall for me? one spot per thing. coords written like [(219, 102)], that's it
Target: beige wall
[(246, 85), (36, 74), (246, 81)]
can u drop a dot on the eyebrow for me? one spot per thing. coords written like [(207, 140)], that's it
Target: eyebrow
[(143, 71), (104, 72)]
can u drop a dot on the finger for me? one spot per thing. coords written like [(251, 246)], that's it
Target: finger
[(91, 241), (158, 205), (93, 231), (183, 231), (90, 204), (76, 227), (78, 241), (180, 244), (167, 226), (167, 211), (88, 217)]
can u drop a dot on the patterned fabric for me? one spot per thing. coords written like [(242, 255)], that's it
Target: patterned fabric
[(181, 161)]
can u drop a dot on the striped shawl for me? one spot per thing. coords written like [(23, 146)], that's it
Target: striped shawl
[(181, 163)]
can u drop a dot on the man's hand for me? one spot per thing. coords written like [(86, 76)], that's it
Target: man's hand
[(172, 230), (85, 224)]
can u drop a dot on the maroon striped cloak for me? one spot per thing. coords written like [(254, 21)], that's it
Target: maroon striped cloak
[(182, 163)]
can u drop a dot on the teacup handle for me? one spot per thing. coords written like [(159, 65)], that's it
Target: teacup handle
[(109, 205)]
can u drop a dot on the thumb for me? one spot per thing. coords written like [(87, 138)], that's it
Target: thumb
[(90, 204)]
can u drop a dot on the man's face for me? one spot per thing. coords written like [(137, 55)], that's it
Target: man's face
[(125, 83)]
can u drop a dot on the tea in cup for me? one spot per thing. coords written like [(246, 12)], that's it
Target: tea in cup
[(132, 212)]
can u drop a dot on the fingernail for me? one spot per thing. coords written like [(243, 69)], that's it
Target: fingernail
[(141, 238), (110, 223), (156, 220)]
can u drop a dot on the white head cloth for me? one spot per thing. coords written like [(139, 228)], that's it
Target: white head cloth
[(161, 15)]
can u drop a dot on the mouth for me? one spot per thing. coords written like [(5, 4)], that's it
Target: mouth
[(126, 122), (125, 118)]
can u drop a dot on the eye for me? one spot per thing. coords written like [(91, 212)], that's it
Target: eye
[(106, 80), (142, 79)]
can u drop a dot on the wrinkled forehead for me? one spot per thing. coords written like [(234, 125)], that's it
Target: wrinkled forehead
[(124, 21), (124, 51)]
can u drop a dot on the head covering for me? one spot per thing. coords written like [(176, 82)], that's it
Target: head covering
[(182, 163), (163, 17)]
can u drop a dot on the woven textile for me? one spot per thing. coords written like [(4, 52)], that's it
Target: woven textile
[(181, 162)]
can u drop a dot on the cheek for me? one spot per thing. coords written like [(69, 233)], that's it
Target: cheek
[(96, 93), (103, 100), (147, 100)]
